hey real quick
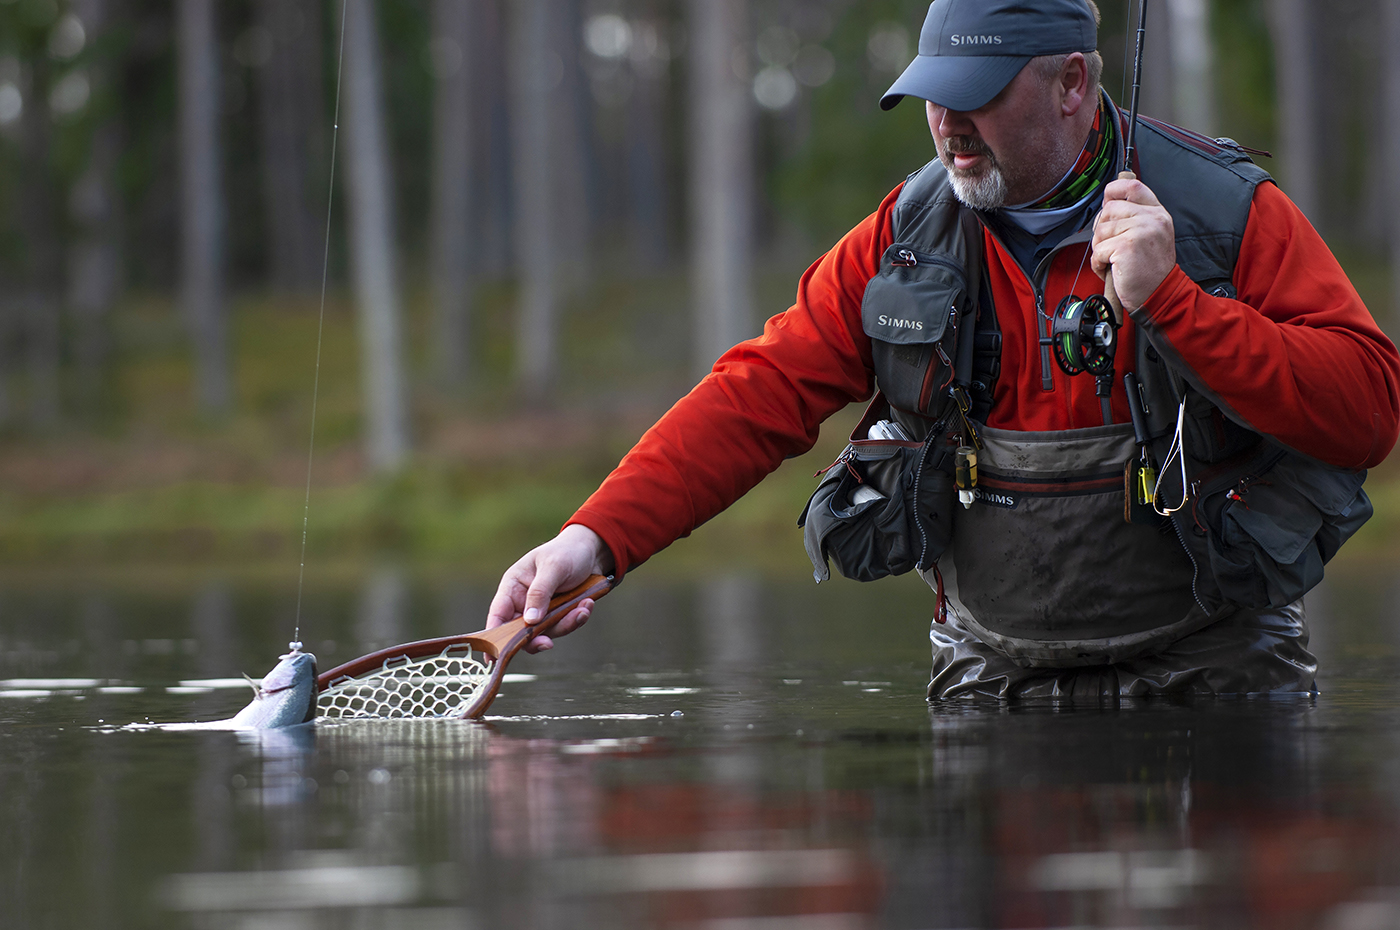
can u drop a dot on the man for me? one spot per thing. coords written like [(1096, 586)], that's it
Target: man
[(1239, 323)]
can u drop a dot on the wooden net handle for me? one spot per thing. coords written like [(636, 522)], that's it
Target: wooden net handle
[(498, 643), (508, 638)]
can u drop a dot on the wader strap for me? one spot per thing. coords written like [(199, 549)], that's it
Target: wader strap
[(967, 334), (986, 356)]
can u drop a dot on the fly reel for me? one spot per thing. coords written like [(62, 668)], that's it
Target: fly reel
[(1084, 335)]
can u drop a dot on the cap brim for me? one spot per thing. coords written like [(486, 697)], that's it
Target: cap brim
[(958, 82)]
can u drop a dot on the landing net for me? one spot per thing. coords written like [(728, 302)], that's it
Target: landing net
[(438, 686)]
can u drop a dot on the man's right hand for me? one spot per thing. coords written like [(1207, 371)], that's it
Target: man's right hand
[(558, 565)]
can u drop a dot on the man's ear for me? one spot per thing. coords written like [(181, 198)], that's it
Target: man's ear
[(1073, 84)]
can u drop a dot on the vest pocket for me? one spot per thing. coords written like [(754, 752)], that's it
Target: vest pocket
[(910, 311), (1269, 535), (869, 538), (883, 508)]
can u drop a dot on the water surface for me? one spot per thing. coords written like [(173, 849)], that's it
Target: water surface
[(739, 753)]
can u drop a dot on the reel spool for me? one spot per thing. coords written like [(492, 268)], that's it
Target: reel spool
[(1084, 335)]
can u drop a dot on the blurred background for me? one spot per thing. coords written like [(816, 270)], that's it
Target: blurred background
[(547, 218)]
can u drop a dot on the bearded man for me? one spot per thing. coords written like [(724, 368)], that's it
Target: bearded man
[(1149, 528)]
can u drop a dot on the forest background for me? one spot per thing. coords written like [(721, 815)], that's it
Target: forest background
[(548, 217)]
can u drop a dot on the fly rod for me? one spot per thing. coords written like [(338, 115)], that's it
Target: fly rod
[(1083, 332), (1110, 292)]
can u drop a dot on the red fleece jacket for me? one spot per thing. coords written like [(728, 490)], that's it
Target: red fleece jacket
[(1297, 356)]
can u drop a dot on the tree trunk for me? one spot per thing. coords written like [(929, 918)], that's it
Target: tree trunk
[(649, 218), (94, 259), (1156, 97), (574, 162), (1178, 70), (452, 253), (94, 262), (287, 88), (201, 202), (1295, 82), (1389, 125), (492, 187), (40, 300), (1193, 65), (372, 262), (721, 179), (536, 75)]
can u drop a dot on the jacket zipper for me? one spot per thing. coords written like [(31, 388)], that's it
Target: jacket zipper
[(1042, 329), (929, 388), (908, 258), (1047, 381)]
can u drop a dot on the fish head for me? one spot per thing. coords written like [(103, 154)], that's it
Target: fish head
[(294, 669), (285, 697)]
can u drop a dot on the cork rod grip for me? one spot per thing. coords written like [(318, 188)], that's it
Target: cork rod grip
[(1110, 293)]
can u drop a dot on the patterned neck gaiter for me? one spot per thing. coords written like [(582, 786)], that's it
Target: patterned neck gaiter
[(1089, 173)]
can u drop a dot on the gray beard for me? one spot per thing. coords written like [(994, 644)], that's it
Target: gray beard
[(985, 192)]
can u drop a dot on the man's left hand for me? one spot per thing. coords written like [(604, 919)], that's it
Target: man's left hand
[(1134, 235)]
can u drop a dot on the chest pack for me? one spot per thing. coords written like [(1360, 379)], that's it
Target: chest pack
[(1259, 520)]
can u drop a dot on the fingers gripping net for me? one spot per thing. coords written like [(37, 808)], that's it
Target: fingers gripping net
[(437, 686)]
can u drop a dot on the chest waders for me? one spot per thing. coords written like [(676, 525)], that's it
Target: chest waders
[(1048, 571)]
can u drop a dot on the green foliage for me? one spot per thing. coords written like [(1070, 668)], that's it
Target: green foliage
[(828, 162), (408, 90), (1244, 72), (159, 483), (856, 153)]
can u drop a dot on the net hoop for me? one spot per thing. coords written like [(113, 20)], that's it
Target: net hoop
[(439, 685)]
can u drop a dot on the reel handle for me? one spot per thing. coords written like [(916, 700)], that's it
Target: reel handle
[(1110, 292)]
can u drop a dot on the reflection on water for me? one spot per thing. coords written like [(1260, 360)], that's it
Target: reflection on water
[(728, 755), (382, 610)]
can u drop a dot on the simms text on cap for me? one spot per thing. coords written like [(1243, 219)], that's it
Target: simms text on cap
[(970, 49)]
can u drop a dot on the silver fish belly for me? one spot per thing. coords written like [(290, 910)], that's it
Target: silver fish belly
[(285, 697)]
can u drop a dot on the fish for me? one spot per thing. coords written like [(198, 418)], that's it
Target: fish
[(286, 696)]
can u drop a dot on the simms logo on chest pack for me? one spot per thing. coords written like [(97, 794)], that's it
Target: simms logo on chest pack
[(975, 40), (897, 323)]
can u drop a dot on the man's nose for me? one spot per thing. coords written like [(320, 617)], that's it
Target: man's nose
[(954, 123)]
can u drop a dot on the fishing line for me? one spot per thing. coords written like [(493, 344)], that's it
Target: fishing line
[(1088, 248), (295, 644)]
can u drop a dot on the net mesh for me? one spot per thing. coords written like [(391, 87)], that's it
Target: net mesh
[(437, 686)]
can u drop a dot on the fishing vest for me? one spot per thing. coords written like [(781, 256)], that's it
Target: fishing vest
[(1047, 569)]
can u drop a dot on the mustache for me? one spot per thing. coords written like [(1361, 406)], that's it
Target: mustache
[(966, 145)]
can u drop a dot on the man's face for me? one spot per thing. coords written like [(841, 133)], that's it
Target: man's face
[(1012, 150)]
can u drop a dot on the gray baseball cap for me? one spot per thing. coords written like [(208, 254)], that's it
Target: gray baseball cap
[(970, 49)]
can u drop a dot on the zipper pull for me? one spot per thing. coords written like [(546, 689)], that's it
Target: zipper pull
[(843, 459), (905, 259), (1045, 331)]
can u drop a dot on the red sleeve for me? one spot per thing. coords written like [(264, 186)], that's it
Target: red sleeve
[(764, 401), (1297, 356)]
